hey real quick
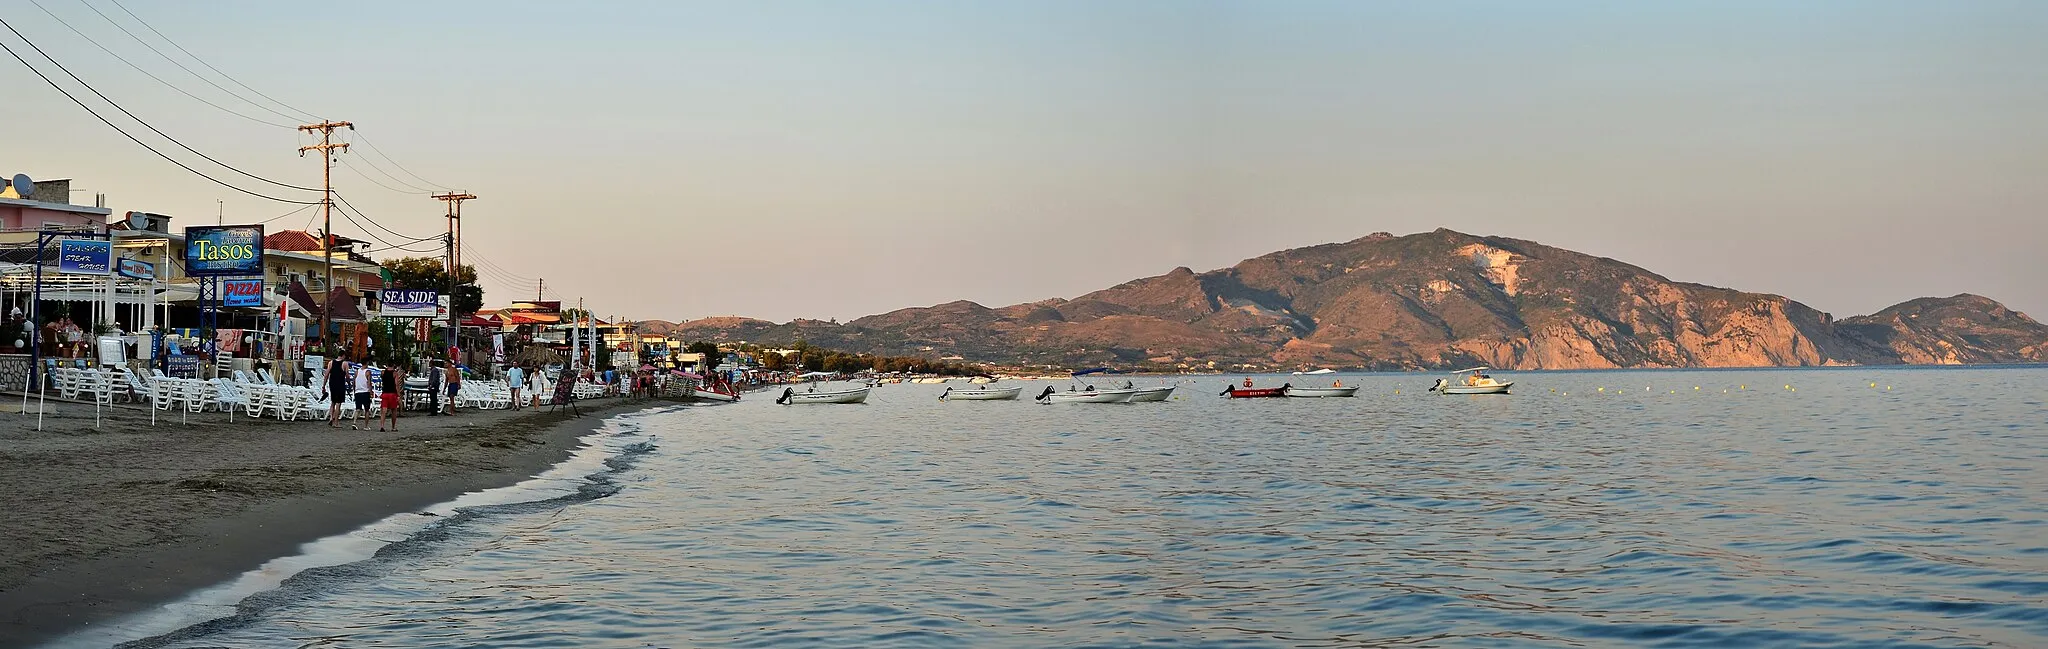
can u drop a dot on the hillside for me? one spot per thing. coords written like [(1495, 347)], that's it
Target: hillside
[(1426, 300)]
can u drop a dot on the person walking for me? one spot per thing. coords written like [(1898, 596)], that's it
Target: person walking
[(363, 394), (337, 389), (515, 377), (393, 397)]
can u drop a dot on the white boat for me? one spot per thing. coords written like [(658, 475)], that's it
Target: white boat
[(856, 395), (1473, 381), (1051, 395), (1315, 372), (1156, 393), (1322, 392), (982, 394), (707, 394)]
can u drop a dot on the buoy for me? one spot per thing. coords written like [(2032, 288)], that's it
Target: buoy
[(1887, 388), (1788, 386), (1742, 387), (1603, 389), (1646, 388), (1873, 384), (1695, 388), (1397, 391), (1674, 392)]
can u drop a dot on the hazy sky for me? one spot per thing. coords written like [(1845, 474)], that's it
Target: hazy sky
[(835, 159)]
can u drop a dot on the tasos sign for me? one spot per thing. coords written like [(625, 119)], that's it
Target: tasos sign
[(404, 303), (215, 250), (85, 256), (241, 292)]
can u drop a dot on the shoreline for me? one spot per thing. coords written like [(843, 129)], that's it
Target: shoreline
[(105, 523)]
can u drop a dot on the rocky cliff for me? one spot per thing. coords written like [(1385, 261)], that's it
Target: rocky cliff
[(1426, 300)]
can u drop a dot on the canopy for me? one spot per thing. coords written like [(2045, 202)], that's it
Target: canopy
[(806, 375), (1476, 369), (1098, 370), (687, 375)]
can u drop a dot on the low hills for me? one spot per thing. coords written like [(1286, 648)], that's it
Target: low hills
[(1428, 300)]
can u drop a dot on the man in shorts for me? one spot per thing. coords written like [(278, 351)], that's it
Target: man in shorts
[(515, 377), (363, 392)]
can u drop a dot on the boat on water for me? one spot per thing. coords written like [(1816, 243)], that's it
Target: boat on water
[(709, 393), (853, 395), (981, 394), (1090, 395), (1316, 372), (1332, 391), (1249, 392), (1471, 381), (1154, 393)]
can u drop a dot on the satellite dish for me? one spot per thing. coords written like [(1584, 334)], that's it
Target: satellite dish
[(136, 221), (24, 186)]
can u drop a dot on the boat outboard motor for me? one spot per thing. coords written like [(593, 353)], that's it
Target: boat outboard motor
[(1047, 394), (786, 394), (1227, 390), (942, 395), (1440, 383), (1284, 387)]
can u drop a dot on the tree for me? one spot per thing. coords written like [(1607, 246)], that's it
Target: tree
[(710, 351), (773, 362), (431, 274)]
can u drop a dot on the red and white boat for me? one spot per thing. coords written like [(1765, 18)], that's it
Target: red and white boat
[(1236, 392)]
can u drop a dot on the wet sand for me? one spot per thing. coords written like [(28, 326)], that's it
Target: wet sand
[(101, 523)]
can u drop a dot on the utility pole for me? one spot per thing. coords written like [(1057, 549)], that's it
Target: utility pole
[(454, 240), (537, 290), (326, 147)]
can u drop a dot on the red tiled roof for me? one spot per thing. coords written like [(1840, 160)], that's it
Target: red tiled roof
[(291, 241)]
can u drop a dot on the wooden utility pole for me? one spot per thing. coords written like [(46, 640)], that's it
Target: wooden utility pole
[(326, 147), (454, 201)]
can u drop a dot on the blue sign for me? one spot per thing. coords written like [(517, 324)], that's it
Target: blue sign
[(215, 250), (241, 292), (85, 256), (135, 269)]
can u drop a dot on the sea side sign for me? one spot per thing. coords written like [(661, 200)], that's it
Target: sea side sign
[(241, 292), (135, 269), (407, 303), (85, 256), (216, 250)]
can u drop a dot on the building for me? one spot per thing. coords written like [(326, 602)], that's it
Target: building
[(47, 207)]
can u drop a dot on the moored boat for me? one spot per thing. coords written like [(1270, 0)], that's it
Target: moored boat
[(1091, 395), (981, 394), (706, 393), (1155, 393), (1333, 391), (1472, 381), (856, 395), (1236, 392)]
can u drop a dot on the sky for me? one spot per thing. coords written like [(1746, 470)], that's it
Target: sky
[(676, 160)]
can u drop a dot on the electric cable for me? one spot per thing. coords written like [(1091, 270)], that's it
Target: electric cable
[(81, 34), (145, 43)]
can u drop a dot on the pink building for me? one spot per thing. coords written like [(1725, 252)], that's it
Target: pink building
[(47, 206)]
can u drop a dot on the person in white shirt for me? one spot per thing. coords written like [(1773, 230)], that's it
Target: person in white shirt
[(364, 392), (515, 376)]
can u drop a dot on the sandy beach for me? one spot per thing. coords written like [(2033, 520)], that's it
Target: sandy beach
[(103, 522)]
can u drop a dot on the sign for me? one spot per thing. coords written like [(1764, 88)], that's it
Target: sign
[(85, 256), (183, 367), (135, 269), (215, 250), (407, 303), (242, 292)]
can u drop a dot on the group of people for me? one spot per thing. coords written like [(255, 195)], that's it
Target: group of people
[(386, 386)]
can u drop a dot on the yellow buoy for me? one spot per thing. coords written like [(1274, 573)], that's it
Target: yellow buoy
[(1695, 388), (1788, 386), (1873, 384), (1603, 389)]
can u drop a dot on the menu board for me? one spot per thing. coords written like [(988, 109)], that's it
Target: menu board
[(565, 387)]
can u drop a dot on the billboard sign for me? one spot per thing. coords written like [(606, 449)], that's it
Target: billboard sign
[(216, 250), (85, 256), (407, 303), (135, 269), (241, 292)]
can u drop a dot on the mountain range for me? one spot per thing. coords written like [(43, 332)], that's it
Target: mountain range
[(1429, 300)]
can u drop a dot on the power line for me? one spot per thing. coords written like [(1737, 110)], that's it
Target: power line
[(376, 182), (60, 20), (380, 226), (466, 250), (145, 43), (302, 208), (131, 137), (209, 66), (138, 120), (387, 158)]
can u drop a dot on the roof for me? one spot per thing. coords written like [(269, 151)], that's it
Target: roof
[(294, 240)]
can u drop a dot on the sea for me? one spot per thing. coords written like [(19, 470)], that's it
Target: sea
[(1829, 507)]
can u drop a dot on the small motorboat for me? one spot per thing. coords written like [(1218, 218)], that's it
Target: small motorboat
[(981, 394), (1155, 393), (855, 395), (707, 393), (1332, 391), (1090, 395), (1316, 372), (1471, 381), (1236, 392)]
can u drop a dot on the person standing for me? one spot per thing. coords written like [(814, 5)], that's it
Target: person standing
[(515, 377), (363, 393), (392, 399), (337, 388), (454, 383), (434, 389)]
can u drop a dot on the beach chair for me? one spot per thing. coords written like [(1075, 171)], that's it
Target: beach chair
[(228, 395), (65, 382)]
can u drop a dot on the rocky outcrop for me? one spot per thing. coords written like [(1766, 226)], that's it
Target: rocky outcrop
[(1428, 300)]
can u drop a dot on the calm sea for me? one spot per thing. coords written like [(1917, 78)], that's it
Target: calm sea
[(1821, 508)]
